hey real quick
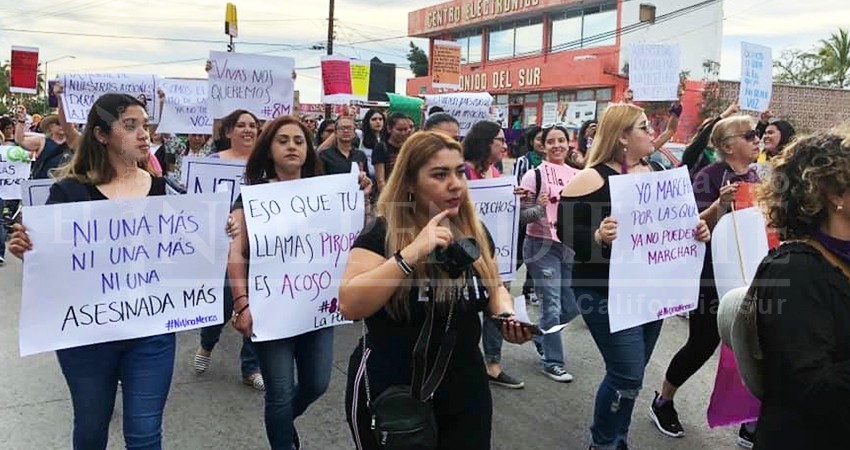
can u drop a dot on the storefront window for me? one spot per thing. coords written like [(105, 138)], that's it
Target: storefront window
[(549, 97), (584, 27), (584, 95), (599, 27), (604, 95), (529, 39), (502, 99), (501, 44), (532, 98), (474, 49)]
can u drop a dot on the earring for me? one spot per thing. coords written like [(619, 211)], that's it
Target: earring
[(410, 197), (839, 208)]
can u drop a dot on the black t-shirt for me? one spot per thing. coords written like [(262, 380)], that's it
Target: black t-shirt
[(385, 153), (391, 341), (335, 162), (71, 190)]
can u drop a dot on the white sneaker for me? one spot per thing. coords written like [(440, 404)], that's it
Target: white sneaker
[(2, 260), (558, 374)]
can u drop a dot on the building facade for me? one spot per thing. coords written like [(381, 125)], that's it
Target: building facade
[(537, 57)]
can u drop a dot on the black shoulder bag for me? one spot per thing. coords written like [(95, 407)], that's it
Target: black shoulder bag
[(403, 416)]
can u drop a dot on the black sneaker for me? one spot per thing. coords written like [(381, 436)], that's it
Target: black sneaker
[(745, 438), (666, 418), (506, 381)]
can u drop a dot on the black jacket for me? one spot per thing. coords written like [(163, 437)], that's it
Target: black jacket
[(804, 331)]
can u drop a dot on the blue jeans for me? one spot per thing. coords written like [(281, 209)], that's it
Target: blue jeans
[(550, 263), (491, 340), (144, 366), (211, 335), (286, 398), (626, 354)]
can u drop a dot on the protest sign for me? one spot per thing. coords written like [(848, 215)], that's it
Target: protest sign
[(257, 83), (738, 245), (300, 233), (122, 269), (445, 65), (578, 113), (23, 73), (14, 170), (756, 77), (654, 72), (185, 109), (336, 80), (467, 107), (206, 175), (498, 208), (35, 192), (360, 75), (410, 106), (550, 113), (656, 260), (81, 90)]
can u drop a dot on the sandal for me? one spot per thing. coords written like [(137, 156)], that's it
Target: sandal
[(255, 380), (201, 363)]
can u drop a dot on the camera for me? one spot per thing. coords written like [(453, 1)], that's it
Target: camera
[(458, 257)]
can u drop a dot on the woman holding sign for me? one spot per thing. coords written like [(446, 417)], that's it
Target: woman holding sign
[(736, 142), (284, 152), (112, 163), (414, 277), (623, 141), (240, 129)]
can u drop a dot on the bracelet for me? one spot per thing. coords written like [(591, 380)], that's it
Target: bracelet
[(240, 297), (402, 264), (237, 313)]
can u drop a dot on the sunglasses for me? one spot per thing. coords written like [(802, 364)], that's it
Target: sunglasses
[(748, 136)]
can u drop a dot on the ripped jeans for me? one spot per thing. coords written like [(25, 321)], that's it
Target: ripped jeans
[(626, 354)]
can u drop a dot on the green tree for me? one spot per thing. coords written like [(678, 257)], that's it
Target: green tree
[(799, 67), (834, 54), (8, 100), (418, 60)]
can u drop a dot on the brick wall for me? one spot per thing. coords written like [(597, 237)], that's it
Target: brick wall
[(807, 108)]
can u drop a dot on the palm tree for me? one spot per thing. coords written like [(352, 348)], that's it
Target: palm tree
[(835, 57)]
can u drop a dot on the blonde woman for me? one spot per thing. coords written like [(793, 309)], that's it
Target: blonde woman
[(392, 282), (623, 141)]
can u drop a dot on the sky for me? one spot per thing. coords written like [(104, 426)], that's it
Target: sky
[(364, 29)]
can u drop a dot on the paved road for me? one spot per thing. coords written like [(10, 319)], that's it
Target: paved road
[(216, 412)]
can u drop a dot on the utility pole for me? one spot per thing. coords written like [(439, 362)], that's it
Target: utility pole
[(330, 48)]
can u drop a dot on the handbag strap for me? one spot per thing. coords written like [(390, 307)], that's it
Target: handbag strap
[(422, 390)]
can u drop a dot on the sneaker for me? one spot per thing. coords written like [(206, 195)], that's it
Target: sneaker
[(255, 380), (2, 259), (201, 361), (506, 381), (558, 373), (745, 438), (666, 418)]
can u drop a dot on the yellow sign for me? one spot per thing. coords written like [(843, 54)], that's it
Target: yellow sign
[(360, 79), (230, 27)]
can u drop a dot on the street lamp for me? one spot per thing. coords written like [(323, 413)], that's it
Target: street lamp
[(46, 78)]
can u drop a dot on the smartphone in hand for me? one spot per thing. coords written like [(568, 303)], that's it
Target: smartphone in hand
[(532, 328)]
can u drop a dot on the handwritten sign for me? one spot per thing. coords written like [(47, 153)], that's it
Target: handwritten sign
[(654, 72), (579, 112), (656, 260), (336, 80), (361, 74), (467, 107), (35, 192), (206, 175), (257, 83), (23, 73), (185, 108), (14, 170), (300, 233), (122, 269), (756, 77), (445, 65), (83, 89), (498, 208)]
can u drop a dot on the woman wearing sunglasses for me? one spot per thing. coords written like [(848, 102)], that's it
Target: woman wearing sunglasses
[(736, 143)]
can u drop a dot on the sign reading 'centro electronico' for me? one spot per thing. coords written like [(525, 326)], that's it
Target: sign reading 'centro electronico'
[(464, 12)]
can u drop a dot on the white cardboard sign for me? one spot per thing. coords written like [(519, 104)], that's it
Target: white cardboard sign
[(738, 245), (257, 83), (14, 171), (654, 72), (122, 269), (498, 207), (756, 77), (467, 107), (205, 175), (81, 90), (185, 108)]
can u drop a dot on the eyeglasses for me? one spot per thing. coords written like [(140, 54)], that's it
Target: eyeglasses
[(345, 128), (748, 136)]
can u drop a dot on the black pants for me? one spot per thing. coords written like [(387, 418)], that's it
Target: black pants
[(703, 338), (464, 428)]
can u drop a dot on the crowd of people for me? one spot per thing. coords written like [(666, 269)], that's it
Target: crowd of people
[(423, 323)]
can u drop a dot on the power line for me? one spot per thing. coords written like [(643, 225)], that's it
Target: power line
[(145, 38)]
